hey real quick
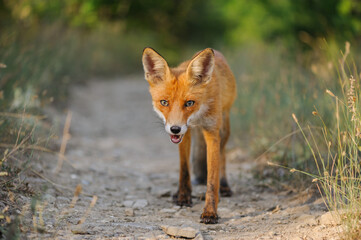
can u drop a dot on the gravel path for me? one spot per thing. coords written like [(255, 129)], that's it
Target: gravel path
[(121, 154)]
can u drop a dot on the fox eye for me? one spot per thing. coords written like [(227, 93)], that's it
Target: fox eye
[(189, 103), (164, 103)]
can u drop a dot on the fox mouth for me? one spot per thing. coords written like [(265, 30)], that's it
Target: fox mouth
[(176, 138)]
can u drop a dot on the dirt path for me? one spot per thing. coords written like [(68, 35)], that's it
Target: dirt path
[(121, 154)]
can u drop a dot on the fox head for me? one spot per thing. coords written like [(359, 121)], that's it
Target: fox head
[(179, 94)]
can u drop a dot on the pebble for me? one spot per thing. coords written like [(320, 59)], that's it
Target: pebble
[(329, 219), (128, 203), (167, 210), (79, 229), (130, 197), (129, 212), (199, 236), (141, 203), (185, 232)]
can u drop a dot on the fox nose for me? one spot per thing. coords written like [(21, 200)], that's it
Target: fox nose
[(175, 129)]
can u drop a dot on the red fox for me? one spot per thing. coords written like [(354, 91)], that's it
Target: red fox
[(195, 98)]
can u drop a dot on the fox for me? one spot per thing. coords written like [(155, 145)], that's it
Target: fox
[(195, 98)]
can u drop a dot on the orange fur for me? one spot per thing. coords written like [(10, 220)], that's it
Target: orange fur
[(207, 80)]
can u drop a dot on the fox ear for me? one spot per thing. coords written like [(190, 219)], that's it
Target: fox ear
[(155, 67), (200, 69)]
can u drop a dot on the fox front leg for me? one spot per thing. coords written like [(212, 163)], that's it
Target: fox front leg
[(209, 215), (184, 195)]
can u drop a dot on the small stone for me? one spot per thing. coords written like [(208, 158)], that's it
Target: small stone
[(167, 210), (79, 229), (199, 236), (128, 203), (185, 232), (141, 203), (329, 218), (129, 212), (128, 197)]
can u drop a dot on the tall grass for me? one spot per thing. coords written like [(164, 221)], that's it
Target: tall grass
[(18, 141), (44, 61), (337, 156), (273, 83)]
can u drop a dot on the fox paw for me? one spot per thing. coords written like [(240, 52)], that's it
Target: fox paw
[(199, 181), (182, 199), (225, 191), (209, 218)]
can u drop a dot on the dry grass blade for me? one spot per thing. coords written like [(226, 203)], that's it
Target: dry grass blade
[(343, 59), (91, 205), (278, 142), (57, 186), (77, 192), (36, 148), (17, 146), (66, 137)]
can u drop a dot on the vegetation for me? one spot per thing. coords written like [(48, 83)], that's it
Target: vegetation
[(285, 54), (337, 158)]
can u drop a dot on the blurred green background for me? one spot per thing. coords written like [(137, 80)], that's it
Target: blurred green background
[(284, 54)]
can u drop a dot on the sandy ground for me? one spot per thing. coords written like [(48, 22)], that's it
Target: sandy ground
[(120, 153)]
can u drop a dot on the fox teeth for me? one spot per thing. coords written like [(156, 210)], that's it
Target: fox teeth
[(176, 138)]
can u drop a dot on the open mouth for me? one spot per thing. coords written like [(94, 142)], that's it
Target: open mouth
[(176, 138)]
